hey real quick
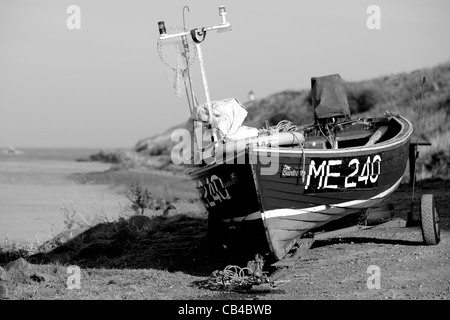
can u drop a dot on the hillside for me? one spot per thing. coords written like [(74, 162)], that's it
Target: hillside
[(398, 93)]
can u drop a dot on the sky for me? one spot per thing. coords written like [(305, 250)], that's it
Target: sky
[(104, 85)]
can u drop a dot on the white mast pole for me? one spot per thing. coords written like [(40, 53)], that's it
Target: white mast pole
[(205, 81)]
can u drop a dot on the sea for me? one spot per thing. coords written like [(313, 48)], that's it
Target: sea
[(39, 197)]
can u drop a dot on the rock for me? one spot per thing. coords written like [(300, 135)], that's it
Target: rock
[(139, 222), (42, 277), (264, 287), (4, 294), (18, 264), (39, 258), (48, 292), (3, 275), (60, 270)]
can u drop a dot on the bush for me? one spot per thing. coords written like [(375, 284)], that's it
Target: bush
[(361, 100), (140, 199)]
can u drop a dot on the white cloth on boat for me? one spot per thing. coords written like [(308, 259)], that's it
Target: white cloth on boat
[(227, 115), (243, 132), (226, 125)]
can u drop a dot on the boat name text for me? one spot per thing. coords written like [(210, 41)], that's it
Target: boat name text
[(358, 172), (215, 190)]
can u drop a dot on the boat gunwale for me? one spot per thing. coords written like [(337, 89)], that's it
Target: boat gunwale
[(400, 138)]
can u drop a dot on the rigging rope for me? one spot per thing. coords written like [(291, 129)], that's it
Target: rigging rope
[(235, 278), (286, 126)]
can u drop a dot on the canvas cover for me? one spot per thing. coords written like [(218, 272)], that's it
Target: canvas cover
[(227, 118), (227, 115), (329, 98)]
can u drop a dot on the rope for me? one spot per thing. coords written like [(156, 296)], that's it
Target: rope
[(235, 278), (286, 126)]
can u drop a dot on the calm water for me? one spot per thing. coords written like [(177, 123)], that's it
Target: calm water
[(36, 192)]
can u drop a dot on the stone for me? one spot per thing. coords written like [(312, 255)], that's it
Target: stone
[(48, 292), (42, 277), (4, 294), (39, 258), (139, 221), (18, 264), (3, 274)]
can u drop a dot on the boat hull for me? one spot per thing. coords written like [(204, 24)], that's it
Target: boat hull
[(334, 186), (282, 193), (234, 212)]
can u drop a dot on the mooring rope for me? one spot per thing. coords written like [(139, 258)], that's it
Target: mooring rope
[(286, 126), (235, 278)]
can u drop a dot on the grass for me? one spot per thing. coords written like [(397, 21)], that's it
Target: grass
[(80, 211), (435, 159)]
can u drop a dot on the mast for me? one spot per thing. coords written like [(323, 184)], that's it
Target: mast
[(198, 36)]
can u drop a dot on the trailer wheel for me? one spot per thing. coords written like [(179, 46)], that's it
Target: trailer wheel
[(431, 232)]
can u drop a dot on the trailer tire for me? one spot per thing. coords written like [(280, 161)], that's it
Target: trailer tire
[(429, 217)]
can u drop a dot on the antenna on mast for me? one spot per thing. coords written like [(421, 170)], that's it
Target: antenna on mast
[(416, 153), (186, 54), (196, 35)]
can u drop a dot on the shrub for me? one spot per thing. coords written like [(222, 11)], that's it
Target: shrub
[(361, 99), (140, 199)]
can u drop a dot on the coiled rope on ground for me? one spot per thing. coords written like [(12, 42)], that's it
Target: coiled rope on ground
[(235, 278)]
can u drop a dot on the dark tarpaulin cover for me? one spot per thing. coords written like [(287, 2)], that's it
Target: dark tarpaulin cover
[(328, 97)]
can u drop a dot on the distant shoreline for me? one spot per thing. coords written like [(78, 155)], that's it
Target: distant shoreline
[(34, 188)]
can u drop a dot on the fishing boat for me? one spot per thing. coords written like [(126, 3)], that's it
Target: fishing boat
[(340, 166), (268, 190)]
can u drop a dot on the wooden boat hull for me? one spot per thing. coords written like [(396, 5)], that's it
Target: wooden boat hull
[(272, 211), (234, 212)]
